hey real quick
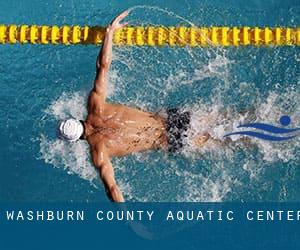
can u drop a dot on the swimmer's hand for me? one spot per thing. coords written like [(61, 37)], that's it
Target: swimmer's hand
[(115, 24)]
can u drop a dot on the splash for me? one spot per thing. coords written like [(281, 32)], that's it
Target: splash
[(217, 120), (192, 185), (219, 89), (68, 105), (74, 158)]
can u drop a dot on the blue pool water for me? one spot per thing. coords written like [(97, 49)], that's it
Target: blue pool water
[(42, 84)]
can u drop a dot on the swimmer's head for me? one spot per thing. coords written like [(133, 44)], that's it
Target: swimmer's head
[(70, 130)]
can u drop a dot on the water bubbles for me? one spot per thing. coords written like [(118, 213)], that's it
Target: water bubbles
[(221, 88)]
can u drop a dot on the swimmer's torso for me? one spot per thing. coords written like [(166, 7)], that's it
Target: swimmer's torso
[(124, 130)]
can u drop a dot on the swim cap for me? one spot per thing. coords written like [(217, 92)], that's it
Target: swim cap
[(70, 130)]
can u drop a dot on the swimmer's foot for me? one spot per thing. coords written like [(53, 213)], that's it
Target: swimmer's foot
[(200, 140)]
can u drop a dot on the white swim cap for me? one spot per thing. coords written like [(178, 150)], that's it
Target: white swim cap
[(70, 130)]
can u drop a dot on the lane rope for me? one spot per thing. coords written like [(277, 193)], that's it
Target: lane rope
[(152, 35)]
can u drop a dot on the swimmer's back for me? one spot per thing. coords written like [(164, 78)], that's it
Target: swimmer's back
[(126, 130)]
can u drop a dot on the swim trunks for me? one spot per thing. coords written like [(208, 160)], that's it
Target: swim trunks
[(177, 125)]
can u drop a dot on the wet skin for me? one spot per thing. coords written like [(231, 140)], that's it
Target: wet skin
[(112, 129), (118, 130), (123, 130)]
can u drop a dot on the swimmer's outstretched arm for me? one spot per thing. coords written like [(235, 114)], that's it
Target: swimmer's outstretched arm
[(105, 56), (103, 164)]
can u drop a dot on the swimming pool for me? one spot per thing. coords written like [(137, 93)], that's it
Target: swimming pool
[(42, 84)]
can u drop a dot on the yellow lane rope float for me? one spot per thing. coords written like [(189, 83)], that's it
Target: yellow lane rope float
[(152, 36)]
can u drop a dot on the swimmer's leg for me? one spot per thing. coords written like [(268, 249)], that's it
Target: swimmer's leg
[(200, 140)]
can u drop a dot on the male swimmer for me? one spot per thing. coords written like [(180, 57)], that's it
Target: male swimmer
[(117, 130)]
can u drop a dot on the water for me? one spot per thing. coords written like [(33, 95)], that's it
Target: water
[(42, 84)]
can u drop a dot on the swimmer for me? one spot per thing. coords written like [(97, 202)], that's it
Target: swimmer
[(114, 130)]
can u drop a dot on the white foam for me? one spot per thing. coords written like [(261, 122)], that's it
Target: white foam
[(68, 105), (173, 181), (271, 110), (211, 188), (216, 121), (72, 157), (212, 118)]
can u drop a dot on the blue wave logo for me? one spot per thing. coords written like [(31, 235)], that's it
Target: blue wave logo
[(279, 133)]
